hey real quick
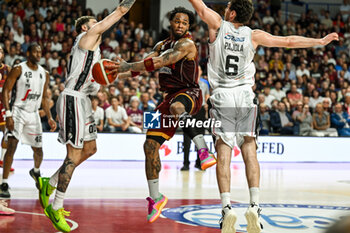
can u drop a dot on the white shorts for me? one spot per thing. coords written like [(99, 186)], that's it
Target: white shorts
[(236, 111), (27, 127), (75, 118)]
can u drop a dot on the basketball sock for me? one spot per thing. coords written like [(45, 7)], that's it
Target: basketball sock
[(36, 170), (3, 152), (153, 186), (4, 181), (225, 199), (200, 142), (254, 195), (54, 178), (58, 201)]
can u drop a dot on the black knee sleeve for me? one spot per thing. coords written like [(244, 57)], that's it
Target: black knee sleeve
[(158, 139)]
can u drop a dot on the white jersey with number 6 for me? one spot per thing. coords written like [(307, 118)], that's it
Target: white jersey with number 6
[(28, 90), (79, 69), (231, 57)]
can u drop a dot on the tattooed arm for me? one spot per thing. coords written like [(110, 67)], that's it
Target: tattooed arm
[(93, 35), (183, 48)]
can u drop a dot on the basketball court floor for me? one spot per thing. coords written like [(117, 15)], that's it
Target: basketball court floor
[(110, 197)]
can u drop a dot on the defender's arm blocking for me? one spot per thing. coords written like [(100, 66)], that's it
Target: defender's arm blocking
[(260, 37)]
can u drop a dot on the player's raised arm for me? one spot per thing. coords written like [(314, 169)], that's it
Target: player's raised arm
[(97, 29), (209, 16), (260, 37), (182, 48)]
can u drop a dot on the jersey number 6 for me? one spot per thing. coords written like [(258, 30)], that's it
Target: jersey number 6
[(231, 65)]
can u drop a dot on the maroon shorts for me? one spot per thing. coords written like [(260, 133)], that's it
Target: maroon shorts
[(168, 131)]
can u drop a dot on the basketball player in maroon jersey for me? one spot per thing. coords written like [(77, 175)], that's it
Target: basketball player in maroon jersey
[(176, 59), (4, 71)]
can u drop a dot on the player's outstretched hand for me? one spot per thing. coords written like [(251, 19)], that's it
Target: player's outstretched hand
[(52, 124), (329, 38)]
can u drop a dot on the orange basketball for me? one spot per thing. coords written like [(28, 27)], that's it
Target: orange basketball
[(99, 72)]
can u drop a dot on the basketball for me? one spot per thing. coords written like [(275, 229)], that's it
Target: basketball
[(99, 72)]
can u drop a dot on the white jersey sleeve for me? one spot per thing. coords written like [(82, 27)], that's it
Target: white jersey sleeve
[(28, 90), (79, 76), (231, 57)]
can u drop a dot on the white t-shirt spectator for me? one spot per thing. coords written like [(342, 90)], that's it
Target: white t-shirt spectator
[(278, 94), (268, 20), (116, 116), (313, 102), (343, 9), (113, 44), (18, 38), (98, 115), (56, 47), (302, 72), (53, 63), (268, 100)]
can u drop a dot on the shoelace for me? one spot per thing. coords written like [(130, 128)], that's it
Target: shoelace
[(64, 213), (150, 204)]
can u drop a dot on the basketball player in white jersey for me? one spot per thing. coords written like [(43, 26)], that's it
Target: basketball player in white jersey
[(77, 127), (27, 83), (231, 75)]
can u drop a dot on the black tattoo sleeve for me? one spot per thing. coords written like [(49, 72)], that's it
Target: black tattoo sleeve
[(127, 3), (65, 174), (153, 164)]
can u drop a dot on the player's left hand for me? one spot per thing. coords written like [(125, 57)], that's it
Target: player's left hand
[(52, 124), (119, 66), (329, 38)]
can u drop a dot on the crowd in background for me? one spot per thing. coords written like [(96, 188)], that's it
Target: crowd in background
[(300, 91)]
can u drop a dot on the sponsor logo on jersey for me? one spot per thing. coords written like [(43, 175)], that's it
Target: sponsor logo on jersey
[(276, 218), (234, 38)]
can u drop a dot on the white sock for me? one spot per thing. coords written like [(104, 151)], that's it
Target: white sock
[(3, 152), (36, 170), (200, 142), (58, 201), (225, 199), (4, 180), (153, 186), (254, 195), (54, 178)]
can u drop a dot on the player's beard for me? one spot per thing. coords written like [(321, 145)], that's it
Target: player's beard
[(178, 36)]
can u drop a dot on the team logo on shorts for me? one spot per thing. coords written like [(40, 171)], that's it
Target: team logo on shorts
[(276, 218), (151, 120)]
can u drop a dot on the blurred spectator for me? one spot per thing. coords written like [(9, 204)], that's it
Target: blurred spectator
[(268, 96), (341, 121), (264, 120), (281, 121), (304, 119), (345, 10), (315, 99), (146, 105), (117, 119), (99, 113), (277, 92), (321, 123), (347, 103), (294, 96), (135, 115)]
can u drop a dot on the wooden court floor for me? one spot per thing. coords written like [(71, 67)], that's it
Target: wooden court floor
[(110, 197)]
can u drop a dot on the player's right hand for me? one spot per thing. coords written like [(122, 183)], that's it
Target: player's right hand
[(10, 125), (329, 38)]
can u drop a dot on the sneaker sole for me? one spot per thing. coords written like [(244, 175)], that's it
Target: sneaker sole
[(253, 224), (208, 164), (40, 199), (47, 215), (159, 211), (228, 225)]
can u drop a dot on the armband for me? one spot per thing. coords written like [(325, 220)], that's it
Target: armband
[(149, 65)]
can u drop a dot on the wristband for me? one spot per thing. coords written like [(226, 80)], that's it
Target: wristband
[(149, 65), (134, 74), (8, 113)]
